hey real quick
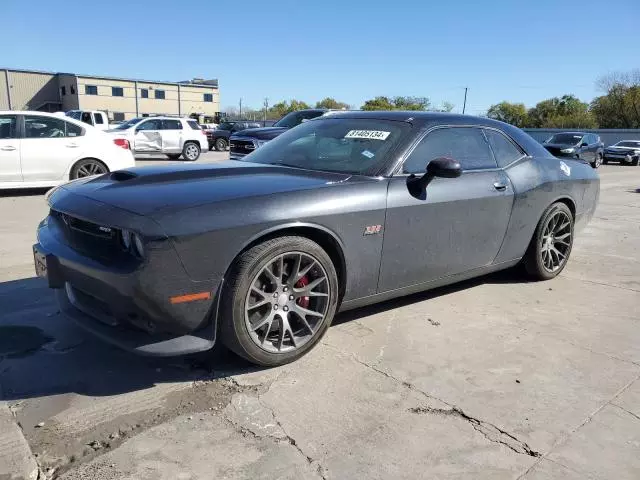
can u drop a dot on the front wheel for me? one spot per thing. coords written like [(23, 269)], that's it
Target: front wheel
[(190, 151), (551, 244), (279, 301)]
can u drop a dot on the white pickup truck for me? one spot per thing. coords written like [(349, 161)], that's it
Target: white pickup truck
[(92, 117)]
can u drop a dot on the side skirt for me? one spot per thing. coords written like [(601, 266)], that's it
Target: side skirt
[(420, 287)]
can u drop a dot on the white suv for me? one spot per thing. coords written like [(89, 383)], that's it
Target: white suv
[(172, 136)]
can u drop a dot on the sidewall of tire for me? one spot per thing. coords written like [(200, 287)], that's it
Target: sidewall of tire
[(184, 151), (220, 149), (233, 328), (73, 174), (533, 260)]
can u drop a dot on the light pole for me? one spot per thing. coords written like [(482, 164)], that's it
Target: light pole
[(240, 114), (464, 105)]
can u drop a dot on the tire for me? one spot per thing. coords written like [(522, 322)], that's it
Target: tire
[(536, 261), (87, 167), (247, 313), (220, 144), (191, 151), (635, 161), (598, 161), (173, 156)]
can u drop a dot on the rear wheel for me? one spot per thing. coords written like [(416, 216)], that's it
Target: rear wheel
[(190, 151), (598, 161), (173, 156), (280, 300), (551, 244), (87, 168), (635, 161), (220, 144)]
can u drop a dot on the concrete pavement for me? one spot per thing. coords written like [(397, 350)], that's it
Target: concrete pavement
[(491, 378)]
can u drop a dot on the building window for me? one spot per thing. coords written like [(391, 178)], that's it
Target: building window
[(63, 90), (90, 90), (145, 114), (208, 97), (159, 94), (117, 92), (144, 93), (73, 89), (118, 116)]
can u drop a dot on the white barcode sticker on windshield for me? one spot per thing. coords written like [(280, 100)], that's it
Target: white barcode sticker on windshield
[(368, 134)]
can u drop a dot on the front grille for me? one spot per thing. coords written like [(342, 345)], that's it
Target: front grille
[(91, 239), (241, 146)]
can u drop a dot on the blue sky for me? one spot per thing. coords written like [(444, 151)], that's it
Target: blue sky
[(351, 50)]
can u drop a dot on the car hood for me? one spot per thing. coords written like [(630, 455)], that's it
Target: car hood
[(558, 145), (622, 149), (161, 189), (265, 133)]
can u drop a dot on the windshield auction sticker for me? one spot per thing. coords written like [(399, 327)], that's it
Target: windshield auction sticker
[(368, 134)]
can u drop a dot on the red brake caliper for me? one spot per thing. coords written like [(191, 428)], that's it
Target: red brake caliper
[(303, 301)]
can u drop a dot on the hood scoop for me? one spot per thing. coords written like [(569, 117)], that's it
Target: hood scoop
[(122, 175)]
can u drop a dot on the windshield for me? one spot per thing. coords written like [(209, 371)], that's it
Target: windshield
[(293, 119), (345, 145), (226, 126), (628, 144), (565, 138), (128, 124), (74, 114)]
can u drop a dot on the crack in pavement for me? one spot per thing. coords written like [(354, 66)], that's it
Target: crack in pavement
[(490, 431), (625, 410), (284, 437)]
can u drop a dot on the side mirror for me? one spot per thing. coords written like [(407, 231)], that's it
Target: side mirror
[(584, 144), (444, 167)]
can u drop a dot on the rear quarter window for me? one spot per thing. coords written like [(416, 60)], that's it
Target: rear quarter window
[(193, 124)]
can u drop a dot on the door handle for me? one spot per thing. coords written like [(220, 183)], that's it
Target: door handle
[(500, 186), (8, 148), (71, 145)]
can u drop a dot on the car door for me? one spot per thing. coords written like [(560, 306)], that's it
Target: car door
[(9, 149), (148, 136), (172, 136), (458, 224), (48, 146)]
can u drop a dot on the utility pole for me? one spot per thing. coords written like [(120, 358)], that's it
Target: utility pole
[(464, 105), (266, 107), (240, 114)]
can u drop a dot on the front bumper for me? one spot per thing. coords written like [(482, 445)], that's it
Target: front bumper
[(128, 303), (620, 157)]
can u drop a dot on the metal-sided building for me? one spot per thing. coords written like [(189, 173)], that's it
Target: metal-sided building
[(121, 98)]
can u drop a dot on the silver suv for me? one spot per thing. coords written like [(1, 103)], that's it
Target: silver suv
[(172, 136)]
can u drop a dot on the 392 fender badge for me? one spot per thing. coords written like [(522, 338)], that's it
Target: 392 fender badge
[(372, 229)]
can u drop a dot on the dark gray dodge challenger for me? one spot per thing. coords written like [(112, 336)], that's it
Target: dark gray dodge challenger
[(339, 212)]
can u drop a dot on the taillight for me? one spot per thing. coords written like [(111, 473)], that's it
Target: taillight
[(122, 142), (204, 132)]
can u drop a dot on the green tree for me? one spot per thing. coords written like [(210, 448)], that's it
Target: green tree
[(620, 106), (332, 103), (397, 103), (280, 109), (563, 112), (513, 113)]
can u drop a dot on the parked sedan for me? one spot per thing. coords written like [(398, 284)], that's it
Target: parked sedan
[(40, 149), (585, 146), (625, 151), (339, 212), (219, 138)]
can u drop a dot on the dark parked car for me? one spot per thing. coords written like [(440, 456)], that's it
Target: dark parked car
[(339, 212), (246, 141), (625, 151), (585, 146), (219, 138)]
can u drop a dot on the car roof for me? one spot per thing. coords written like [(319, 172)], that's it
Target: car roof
[(417, 117)]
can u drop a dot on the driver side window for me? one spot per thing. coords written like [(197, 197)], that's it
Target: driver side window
[(467, 145), (150, 125)]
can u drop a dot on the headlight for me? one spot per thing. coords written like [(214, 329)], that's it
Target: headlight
[(132, 242), (260, 143), (138, 246), (568, 150), (125, 237)]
